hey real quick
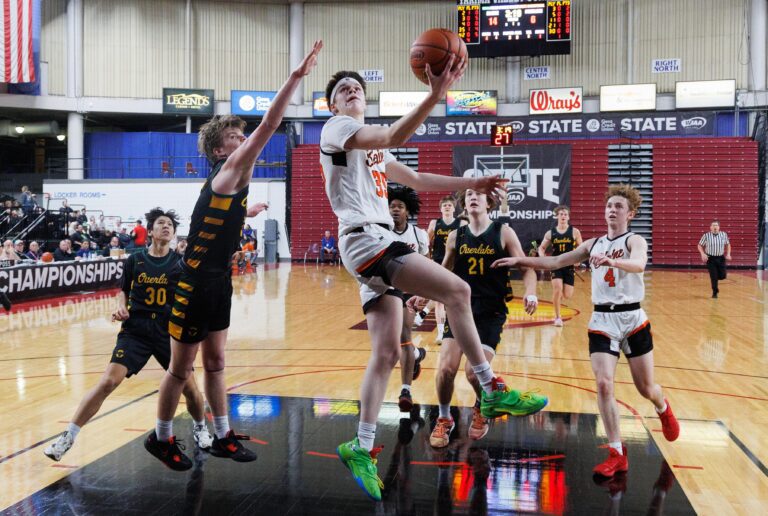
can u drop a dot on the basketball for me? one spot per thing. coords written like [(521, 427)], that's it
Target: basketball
[(435, 47), (47, 257)]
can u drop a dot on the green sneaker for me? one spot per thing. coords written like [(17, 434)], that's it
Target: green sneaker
[(362, 464), (506, 401)]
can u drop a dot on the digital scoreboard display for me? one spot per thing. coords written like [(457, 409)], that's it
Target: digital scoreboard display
[(502, 135), (497, 28)]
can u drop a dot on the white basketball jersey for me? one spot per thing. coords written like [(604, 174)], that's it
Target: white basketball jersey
[(610, 285), (355, 180), (416, 238)]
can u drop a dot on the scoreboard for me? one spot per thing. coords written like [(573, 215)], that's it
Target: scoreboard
[(497, 28)]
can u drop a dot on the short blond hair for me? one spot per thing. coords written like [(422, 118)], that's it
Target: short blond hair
[(210, 135), (634, 200), (560, 207)]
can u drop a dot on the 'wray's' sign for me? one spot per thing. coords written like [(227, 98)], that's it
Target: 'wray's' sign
[(553, 101)]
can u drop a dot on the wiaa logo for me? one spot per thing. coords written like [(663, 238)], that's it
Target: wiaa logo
[(517, 126), (515, 197), (696, 122)]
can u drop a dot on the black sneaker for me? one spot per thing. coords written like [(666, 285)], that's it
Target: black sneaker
[(169, 453), (406, 401), (5, 301), (230, 448), (417, 364)]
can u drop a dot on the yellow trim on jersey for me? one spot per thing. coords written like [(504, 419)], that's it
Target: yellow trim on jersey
[(193, 263), (220, 203), (200, 249), (181, 300), (174, 330), (178, 314), (213, 220), (207, 236), (186, 286)]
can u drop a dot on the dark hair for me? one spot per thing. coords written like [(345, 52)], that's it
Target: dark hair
[(408, 196), (336, 78), (155, 213)]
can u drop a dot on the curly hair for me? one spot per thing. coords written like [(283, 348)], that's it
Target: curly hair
[(336, 78), (492, 203), (629, 192), (155, 213), (408, 196), (210, 135)]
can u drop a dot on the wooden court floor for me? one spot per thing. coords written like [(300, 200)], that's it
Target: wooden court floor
[(292, 336)]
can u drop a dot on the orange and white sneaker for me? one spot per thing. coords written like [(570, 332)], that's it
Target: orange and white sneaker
[(615, 463), (441, 435), (669, 425), (479, 426)]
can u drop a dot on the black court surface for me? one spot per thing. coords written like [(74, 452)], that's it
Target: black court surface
[(540, 464)]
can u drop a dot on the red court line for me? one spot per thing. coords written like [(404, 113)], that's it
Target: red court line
[(686, 467), (257, 441), (540, 459), (318, 454), (431, 463)]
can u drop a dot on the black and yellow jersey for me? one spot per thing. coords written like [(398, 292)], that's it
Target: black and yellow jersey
[(472, 263), (215, 229), (442, 230), (562, 242), (149, 282)]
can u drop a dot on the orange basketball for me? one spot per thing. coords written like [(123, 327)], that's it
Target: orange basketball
[(47, 257), (435, 47)]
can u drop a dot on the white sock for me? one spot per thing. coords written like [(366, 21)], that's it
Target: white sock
[(415, 352), (199, 423), (617, 447), (484, 375), (221, 426), (424, 312), (406, 387), (445, 411), (73, 430), (440, 331), (366, 433), (662, 410), (164, 430)]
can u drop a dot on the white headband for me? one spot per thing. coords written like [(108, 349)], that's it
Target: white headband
[(342, 82)]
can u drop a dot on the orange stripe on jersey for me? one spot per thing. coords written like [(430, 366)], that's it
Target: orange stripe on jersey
[(371, 261), (193, 263), (200, 249), (181, 300), (220, 203), (186, 286), (174, 330), (178, 314), (207, 236), (646, 323), (213, 220)]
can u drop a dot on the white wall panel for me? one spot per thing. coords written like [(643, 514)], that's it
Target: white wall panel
[(240, 46), (53, 44), (133, 48), (378, 36), (710, 36), (598, 50)]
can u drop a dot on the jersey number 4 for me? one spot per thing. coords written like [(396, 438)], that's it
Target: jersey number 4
[(610, 278)]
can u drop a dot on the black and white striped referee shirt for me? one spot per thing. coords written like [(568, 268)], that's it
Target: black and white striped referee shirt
[(714, 244)]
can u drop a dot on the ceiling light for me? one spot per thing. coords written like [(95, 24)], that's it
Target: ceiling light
[(61, 137), (20, 129)]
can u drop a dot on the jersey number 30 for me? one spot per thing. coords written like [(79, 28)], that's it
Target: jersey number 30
[(156, 296)]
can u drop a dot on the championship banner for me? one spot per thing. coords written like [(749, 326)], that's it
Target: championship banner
[(539, 179), (36, 281)]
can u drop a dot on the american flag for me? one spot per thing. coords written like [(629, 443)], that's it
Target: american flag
[(17, 65)]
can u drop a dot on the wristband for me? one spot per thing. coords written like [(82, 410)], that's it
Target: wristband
[(530, 298)]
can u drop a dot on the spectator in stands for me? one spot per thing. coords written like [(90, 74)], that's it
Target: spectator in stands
[(181, 247), (8, 256), (34, 251), (27, 200), (18, 246), (84, 252), (16, 216), (139, 235), (64, 252), (7, 208), (247, 232), (78, 235), (65, 209), (124, 237), (114, 243), (328, 247), (105, 237)]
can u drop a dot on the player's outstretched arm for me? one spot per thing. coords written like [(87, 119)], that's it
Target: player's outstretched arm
[(578, 255), (489, 185), (375, 137), (638, 256), (238, 169)]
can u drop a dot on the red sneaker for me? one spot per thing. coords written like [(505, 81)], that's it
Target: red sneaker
[(669, 425), (615, 463)]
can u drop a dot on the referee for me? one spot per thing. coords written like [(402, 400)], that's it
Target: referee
[(715, 249)]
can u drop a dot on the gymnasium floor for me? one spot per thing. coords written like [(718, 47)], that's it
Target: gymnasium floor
[(295, 358)]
